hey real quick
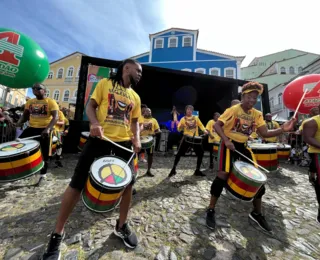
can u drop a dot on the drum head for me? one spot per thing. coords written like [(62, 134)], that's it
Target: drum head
[(86, 134), (146, 139), (263, 146), (14, 148), (55, 139), (111, 172), (250, 172), (283, 146)]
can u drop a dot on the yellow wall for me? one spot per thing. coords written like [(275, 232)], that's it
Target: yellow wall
[(17, 97), (64, 83)]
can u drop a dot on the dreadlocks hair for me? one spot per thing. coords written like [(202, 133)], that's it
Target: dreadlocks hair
[(144, 106), (117, 77), (252, 86)]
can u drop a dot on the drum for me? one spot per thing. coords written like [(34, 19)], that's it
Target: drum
[(19, 160), (83, 139), (266, 155), (107, 180), (245, 181), (216, 146), (283, 152), (197, 140), (146, 142), (54, 146)]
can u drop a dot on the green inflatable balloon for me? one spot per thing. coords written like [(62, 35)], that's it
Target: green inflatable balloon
[(22, 61)]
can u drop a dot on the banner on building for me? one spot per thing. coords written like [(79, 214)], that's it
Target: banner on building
[(95, 74)]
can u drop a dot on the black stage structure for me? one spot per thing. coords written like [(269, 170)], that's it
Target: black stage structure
[(162, 88)]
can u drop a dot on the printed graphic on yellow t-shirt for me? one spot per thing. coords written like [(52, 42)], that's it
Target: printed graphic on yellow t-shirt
[(210, 128), (150, 125), (117, 106), (190, 125), (239, 125), (40, 111), (60, 128), (271, 126)]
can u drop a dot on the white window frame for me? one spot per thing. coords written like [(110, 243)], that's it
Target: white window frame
[(198, 69), (234, 72), (184, 37), (300, 69), (78, 73), (155, 43), (217, 69), (171, 38), (47, 93), (58, 72), (53, 94), (63, 96), (294, 71), (75, 93), (51, 73), (280, 100), (73, 70), (189, 70), (271, 102), (10, 98), (285, 71)]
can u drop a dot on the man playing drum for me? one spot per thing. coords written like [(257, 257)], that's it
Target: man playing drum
[(140, 120), (58, 132), (189, 124), (42, 113), (150, 128), (271, 124), (213, 136), (235, 126), (119, 124)]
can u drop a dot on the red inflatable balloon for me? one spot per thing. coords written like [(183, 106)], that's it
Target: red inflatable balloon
[(295, 89)]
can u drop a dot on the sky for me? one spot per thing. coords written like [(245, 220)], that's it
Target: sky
[(118, 29)]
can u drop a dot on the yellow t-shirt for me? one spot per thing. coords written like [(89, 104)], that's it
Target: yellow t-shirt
[(61, 118), (40, 111), (304, 121), (117, 106), (150, 125), (140, 119), (313, 149), (190, 125), (271, 126), (254, 135), (238, 125), (210, 128)]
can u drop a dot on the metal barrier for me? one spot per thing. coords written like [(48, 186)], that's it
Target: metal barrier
[(7, 132)]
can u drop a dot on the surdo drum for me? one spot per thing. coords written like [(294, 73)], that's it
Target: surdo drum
[(146, 142), (197, 140), (245, 181), (83, 139), (19, 160), (216, 146), (108, 178), (283, 152), (54, 145), (266, 155)]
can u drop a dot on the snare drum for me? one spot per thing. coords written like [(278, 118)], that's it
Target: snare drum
[(108, 178), (197, 140), (146, 142), (245, 181), (19, 160), (283, 152), (54, 146), (216, 146), (83, 139), (266, 155)]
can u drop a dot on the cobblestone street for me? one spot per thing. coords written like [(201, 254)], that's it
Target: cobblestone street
[(168, 217)]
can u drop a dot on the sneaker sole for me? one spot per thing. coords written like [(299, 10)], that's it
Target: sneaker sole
[(119, 235), (252, 218)]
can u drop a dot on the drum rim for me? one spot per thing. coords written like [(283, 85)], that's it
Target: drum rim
[(16, 154), (99, 211), (112, 188), (258, 181)]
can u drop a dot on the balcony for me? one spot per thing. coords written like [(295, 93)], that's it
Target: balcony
[(68, 80)]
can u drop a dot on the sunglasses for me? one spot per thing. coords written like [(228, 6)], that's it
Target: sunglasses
[(36, 88)]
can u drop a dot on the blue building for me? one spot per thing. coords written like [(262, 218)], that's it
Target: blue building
[(176, 48)]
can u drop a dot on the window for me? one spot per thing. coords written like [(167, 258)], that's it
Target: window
[(173, 42), (300, 69), (291, 70), (70, 72), (47, 93), (271, 102), (280, 98), (187, 41), (10, 98), (78, 73), (66, 95), (230, 73), (50, 75), (200, 70), (16, 101), (214, 71), (60, 73), (186, 70), (158, 43), (56, 95), (75, 93), (282, 70)]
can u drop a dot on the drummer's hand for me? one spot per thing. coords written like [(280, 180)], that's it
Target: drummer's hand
[(136, 144), (45, 132), (96, 130), (288, 126), (229, 145), (205, 132)]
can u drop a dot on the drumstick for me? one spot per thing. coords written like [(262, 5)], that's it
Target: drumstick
[(27, 138), (252, 161), (120, 146)]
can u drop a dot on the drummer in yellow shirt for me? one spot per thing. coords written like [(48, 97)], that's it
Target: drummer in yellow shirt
[(189, 124), (234, 127), (313, 112), (140, 120), (271, 125), (58, 132), (150, 128), (213, 136)]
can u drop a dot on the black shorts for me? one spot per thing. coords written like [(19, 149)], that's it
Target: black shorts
[(93, 149), (184, 146)]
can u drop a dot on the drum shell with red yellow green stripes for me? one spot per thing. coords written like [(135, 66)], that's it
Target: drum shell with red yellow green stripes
[(283, 152), (266, 155), (108, 178), (216, 146), (83, 139), (245, 181), (19, 160)]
